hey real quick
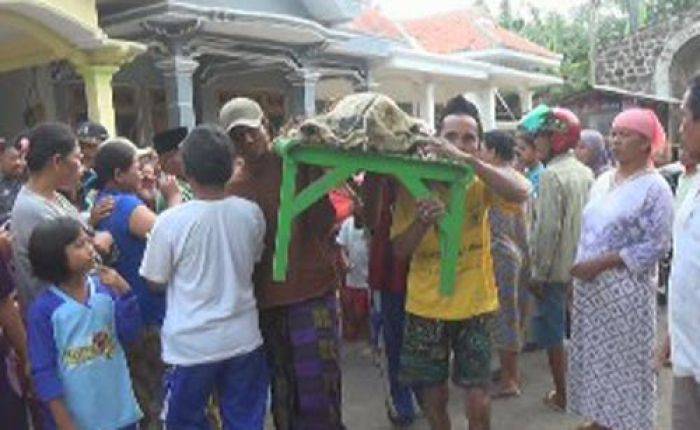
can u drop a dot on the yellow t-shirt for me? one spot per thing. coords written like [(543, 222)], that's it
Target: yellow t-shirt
[(475, 289)]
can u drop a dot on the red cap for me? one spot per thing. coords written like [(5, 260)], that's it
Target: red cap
[(565, 129)]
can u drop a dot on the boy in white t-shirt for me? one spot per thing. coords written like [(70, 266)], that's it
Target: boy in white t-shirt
[(353, 239), (203, 253)]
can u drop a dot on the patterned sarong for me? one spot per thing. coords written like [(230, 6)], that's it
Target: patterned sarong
[(301, 341)]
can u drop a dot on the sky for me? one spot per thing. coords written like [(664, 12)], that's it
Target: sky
[(401, 9)]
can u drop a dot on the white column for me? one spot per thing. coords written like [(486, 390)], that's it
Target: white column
[(303, 99), (427, 106), (178, 72), (177, 64), (485, 101), (366, 83), (414, 98), (415, 108), (525, 96)]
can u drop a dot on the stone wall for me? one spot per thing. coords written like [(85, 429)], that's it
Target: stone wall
[(631, 63)]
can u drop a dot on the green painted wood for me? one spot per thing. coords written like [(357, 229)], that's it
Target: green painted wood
[(319, 188), (411, 172), (285, 218)]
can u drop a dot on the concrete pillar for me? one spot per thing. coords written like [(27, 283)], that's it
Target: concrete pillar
[(525, 96), (98, 92), (485, 101), (427, 105), (415, 108), (178, 72), (302, 100)]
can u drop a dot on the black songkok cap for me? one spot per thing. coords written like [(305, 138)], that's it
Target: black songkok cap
[(169, 140)]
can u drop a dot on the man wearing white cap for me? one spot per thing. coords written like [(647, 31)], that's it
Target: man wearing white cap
[(298, 315)]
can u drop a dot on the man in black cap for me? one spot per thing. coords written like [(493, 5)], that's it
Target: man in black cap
[(174, 188), (90, 136)]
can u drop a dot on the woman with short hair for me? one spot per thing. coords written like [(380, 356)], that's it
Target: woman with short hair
[(592, 152)]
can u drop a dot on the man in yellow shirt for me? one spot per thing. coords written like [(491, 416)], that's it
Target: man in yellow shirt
[(438, 325)]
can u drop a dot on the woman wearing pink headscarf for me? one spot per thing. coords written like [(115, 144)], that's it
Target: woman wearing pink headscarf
[(626, 230)]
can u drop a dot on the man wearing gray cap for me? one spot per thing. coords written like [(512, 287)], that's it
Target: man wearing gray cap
[(297, 316)]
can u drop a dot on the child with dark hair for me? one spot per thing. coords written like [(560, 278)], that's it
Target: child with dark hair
[(353, 239), (203, 253), (76, 332), (119, 179), (509, 254), (528, 160)]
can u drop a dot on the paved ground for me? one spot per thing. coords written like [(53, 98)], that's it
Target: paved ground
[(364, 395), (364, 399)]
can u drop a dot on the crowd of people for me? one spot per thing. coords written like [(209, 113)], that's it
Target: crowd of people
[(136, 286)]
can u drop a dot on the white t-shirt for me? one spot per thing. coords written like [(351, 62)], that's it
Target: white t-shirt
[(205, 252), (355, 242), (684, 288), (685, 184)]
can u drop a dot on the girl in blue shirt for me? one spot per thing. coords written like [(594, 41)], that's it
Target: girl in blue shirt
[(76, 332)]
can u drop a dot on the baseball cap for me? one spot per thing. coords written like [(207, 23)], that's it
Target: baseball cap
[(240, 111), (92, 131)]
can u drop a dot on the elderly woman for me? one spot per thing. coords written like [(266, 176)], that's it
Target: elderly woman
[(592, 152), (626, 229)]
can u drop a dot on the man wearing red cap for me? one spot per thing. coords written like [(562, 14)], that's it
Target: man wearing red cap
[(564, 187)]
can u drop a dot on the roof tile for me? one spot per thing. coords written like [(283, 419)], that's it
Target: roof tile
[(449, 32), (468, 30), (373, 22)]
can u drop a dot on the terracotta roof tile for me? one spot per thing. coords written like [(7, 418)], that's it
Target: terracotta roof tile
[(515, 41), (467, 30), (447, 33), (373, 22)]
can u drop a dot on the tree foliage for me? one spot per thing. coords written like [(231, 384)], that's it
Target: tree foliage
[(570, 34)]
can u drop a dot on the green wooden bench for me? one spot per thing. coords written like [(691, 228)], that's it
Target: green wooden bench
[(341, 165)]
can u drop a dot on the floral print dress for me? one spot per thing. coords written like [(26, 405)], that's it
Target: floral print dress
[(611, 376)]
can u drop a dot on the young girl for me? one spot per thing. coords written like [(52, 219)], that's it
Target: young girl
[(76, 332)]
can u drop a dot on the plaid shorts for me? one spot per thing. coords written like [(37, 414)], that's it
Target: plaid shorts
[(427, 344)]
